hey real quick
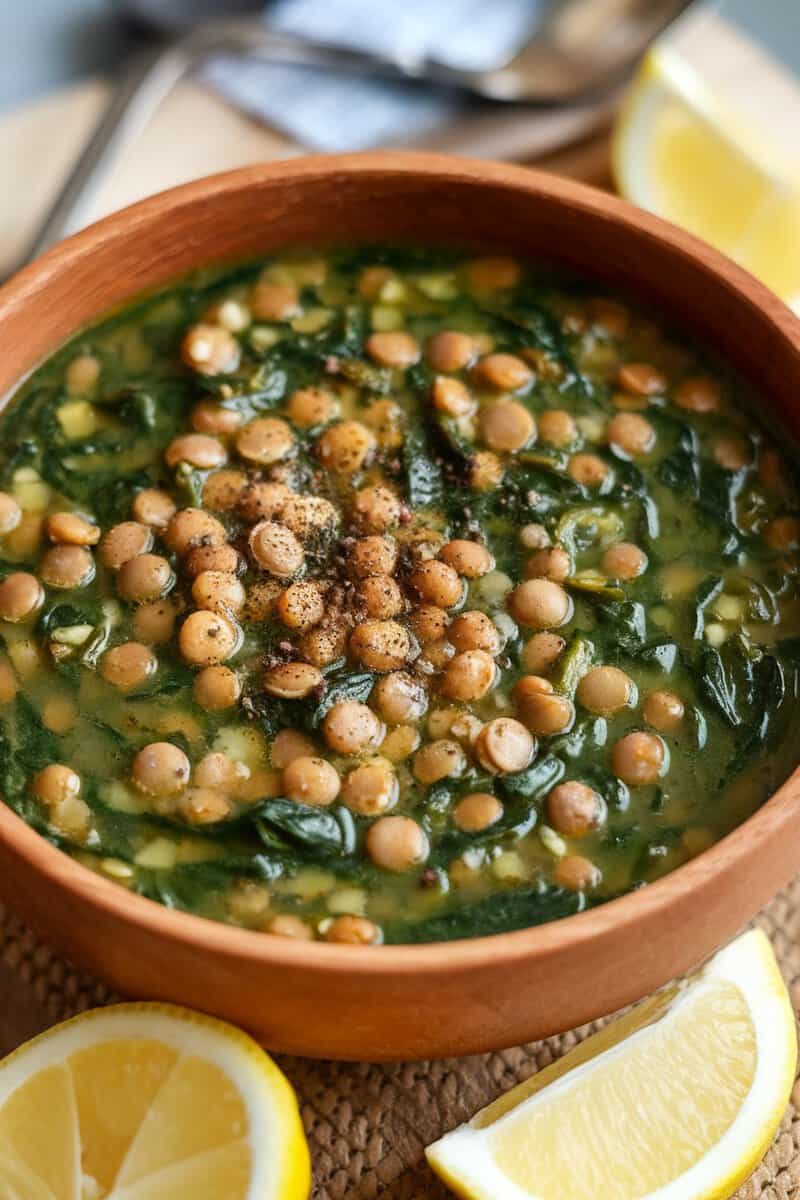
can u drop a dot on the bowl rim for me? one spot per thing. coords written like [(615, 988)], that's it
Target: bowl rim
[(567, 933)]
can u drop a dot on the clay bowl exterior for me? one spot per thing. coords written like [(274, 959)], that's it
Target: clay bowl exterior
[(448, 998)]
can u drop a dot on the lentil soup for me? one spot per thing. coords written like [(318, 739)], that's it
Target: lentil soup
[(391, 596)]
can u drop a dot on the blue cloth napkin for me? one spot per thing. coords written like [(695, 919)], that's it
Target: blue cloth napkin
[(329, 111)]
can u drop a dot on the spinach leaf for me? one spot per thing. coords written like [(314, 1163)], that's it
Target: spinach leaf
[(529, 324), (12, 778), (419, 378), (500, 912), (717, 494), (266, 391), (547, 475), (350, 331), (627, 625), (630, 485), (107, 493), (789, 650), (192, 887), (274, 714), (662, 653), (62, 614), (38, 406), (454, 842), (717, 685), (629, 482), (590, 525), (769, 688), (707, 591), (534, 781), (438, 800), (455, 442), (424, 479), (350, 685), (26, 746), (548, 491), (699, 726), (36, 746), (260, 393), (18, 455), (365, 375), (535, 322), (138, 409), (762, 604), (612, 789), (768, 715), (680, 470), (713, 488), (326, 831), (170, 680)]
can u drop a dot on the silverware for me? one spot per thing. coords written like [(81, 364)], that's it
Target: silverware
[(580, 48)]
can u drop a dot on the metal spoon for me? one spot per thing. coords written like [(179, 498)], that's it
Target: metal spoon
[(579, 48)]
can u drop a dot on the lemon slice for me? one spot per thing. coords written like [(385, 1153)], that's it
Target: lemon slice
[(679, 1099), (686, 152), (148, 1102)]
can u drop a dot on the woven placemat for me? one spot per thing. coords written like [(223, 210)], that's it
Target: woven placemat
[(368, 1123)]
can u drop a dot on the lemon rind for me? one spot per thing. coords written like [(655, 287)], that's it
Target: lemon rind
[(281, 1162), (463, 1159), (663, 76)]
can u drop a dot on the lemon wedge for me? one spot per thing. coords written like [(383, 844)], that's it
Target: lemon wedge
[(148, 1102), (678, 1099), (684, 149)]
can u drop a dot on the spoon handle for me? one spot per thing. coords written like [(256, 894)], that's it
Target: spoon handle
[(145, 83), (151, 77)]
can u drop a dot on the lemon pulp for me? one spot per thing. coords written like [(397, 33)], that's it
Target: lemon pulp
[(146, 1102), (687, 153), (706, 1055), (677, 1100)]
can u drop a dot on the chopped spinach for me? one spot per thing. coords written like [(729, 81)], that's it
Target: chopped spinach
[(349, 685), (535, 781), (717, 684), (707, 592), (423, 473), (705, 533), (322, 830), (504, 911)]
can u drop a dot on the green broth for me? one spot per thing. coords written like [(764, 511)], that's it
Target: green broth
[(653, 448)]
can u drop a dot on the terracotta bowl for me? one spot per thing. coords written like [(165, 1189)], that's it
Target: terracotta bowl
[(448, 998)]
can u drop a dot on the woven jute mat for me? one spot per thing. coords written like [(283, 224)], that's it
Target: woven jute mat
[(368, 1123)]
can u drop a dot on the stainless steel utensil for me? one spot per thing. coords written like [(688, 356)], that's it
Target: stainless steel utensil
[(580, 48)]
